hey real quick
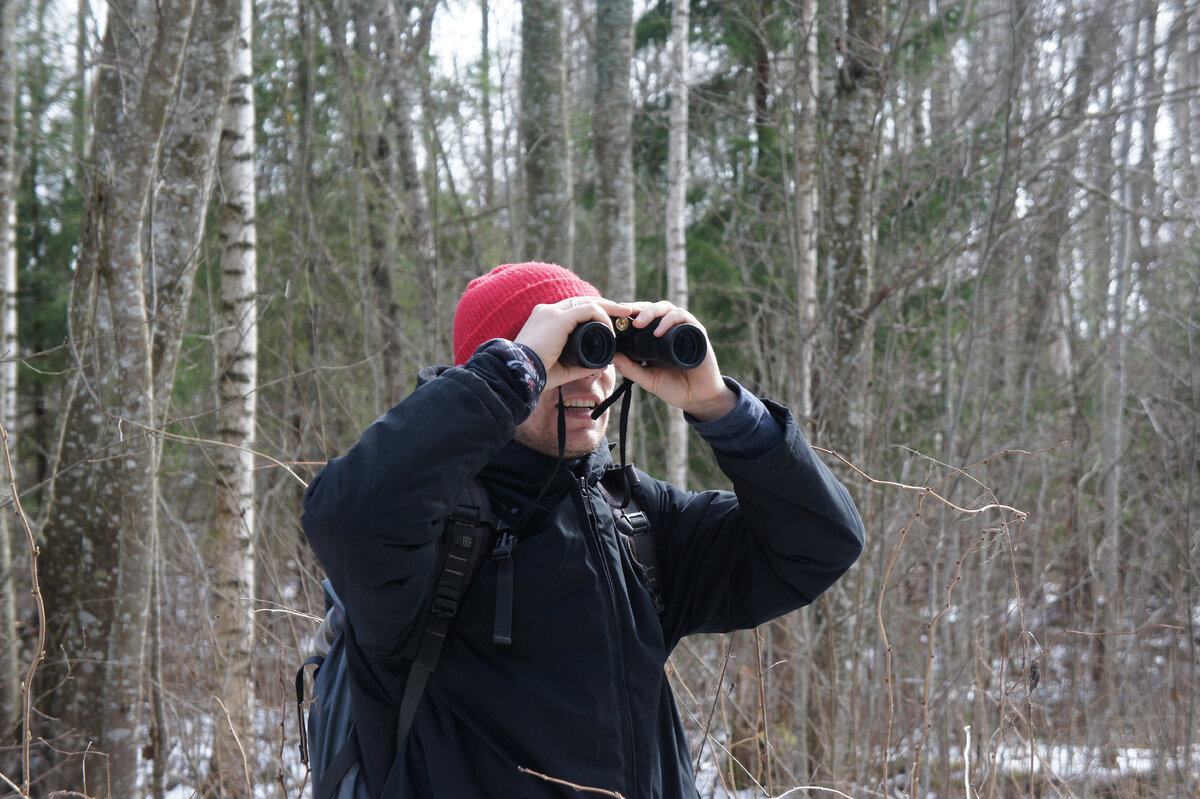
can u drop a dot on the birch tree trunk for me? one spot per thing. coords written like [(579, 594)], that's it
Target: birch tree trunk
[(612, 128), (677, 179), (237, 360), (549, 194), (806, 204), (137, 255), (797, 628), (10, 688)]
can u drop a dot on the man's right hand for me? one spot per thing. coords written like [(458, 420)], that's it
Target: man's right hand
[(546, 330)]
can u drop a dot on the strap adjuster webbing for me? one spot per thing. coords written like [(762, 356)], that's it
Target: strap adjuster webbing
[(502, 554)]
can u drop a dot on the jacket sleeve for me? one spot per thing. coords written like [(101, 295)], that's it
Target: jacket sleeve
[(733, 560), (374, 516)]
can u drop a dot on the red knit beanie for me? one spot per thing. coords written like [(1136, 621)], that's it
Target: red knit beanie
[(497, 304)]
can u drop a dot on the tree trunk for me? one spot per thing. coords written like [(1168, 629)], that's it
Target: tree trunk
[(795, 630), (100, 520), (237, 358), (852, 221), (850, 243), (549, 194), (612, 127), (184, 185), (677, 180), (377, 217), (485, 105), (806, 205), (1115, 288), (402, 57), (79, 95), (10, 654)]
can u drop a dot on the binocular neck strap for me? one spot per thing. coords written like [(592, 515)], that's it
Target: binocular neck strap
[(624, 392), (562, 451)]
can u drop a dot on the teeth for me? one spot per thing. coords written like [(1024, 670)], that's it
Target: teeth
[(578, 403)]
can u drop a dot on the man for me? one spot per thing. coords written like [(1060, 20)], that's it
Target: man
[(580, 693)]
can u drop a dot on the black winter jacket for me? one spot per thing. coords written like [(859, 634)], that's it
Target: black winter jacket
[(581, 694)]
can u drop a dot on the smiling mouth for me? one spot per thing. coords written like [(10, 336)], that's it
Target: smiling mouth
[(578, 404)]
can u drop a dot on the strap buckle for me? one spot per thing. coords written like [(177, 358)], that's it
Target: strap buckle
[(445, 602), (506, 542), (467, 515), (638, 521)]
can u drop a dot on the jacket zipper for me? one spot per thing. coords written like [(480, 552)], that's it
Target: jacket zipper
[(626, 711)]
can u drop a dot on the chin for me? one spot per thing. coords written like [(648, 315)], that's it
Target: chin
[(580, 450), (577, 446)]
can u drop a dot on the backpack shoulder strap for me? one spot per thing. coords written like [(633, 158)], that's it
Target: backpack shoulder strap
[(636, 533), (469, 529)]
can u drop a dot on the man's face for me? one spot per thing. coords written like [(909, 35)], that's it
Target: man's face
[(540, 431)]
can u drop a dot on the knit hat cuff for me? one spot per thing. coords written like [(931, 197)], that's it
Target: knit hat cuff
[(496, 305)]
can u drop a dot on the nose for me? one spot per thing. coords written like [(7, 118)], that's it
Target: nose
[(595, 377)]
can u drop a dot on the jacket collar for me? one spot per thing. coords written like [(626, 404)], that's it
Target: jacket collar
[(516, 473)]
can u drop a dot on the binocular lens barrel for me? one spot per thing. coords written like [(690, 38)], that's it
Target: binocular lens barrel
[(683, 346), (593, 345)]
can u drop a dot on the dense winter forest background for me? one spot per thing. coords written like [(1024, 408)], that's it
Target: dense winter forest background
[(959, 237)]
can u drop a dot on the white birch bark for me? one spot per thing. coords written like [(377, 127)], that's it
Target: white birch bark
[(237, 363), (10, 688), (808, 75), (677, 178), (799, 626)]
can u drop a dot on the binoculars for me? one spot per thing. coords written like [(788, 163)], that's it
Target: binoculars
[(593, 345)]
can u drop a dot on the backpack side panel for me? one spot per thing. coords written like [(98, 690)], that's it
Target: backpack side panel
[(331, 719)]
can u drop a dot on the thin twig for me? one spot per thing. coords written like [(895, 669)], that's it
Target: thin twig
[(1138, 631), (927, 491), (716, 698), (887, 644), (764, 753), (922, 492), (212, 443), (967, 763), (238, 740), (927, 691), (36, 591), (580, 788), (14, 786), (287, 612), (814, 788)]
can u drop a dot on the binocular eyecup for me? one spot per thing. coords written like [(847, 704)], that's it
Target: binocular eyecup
[(593, 345)]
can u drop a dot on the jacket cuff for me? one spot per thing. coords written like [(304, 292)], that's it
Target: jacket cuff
[(513, 371), (747, 431)]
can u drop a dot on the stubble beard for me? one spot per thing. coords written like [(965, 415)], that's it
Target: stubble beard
[(546, 441)]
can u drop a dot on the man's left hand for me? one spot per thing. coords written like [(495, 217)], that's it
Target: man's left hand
[(700, 392)]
